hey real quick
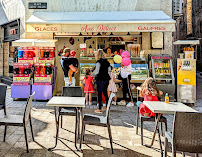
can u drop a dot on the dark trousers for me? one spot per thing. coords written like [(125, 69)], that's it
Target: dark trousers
[(102, 88), (126, 88)]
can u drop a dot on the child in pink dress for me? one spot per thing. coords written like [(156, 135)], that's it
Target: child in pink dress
[(150, 92), (88, 89), (112, 87)]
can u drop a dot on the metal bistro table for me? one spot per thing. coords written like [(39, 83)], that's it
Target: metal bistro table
[(61, 101), (160, 108)]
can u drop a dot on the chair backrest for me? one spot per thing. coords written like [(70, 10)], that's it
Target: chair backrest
[(75, 91), (3, 89), (109, 104), (28, 109), (187, 132)]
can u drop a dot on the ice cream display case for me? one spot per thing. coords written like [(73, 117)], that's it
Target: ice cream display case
[(84, 67), (139, 74), (162, 72)]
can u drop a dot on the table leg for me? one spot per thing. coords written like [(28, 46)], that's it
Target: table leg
[(156, 127), (76, 127), (160, 144), (79, 123), (57, 129)]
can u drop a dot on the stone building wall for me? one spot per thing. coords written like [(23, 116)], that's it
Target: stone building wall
[(1, 50), (197, 28), (10, 10), (4, 55), (6, 59), (102, 6), (19, 9)]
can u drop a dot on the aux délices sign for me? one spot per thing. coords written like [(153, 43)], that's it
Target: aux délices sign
[(99, 28)]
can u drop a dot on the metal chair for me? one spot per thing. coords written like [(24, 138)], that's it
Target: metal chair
[(17, 120), (3, 89), (98, 120), (187, 133), (71, 92), (148, 119)]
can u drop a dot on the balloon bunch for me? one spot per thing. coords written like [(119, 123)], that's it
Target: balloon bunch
[(123, 58)]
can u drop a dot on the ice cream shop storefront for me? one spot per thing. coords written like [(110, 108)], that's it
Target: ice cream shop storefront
[(142, 33)]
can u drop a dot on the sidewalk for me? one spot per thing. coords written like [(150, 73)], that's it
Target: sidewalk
[(123, 125)]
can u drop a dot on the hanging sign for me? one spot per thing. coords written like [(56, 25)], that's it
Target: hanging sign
[(11, 31)]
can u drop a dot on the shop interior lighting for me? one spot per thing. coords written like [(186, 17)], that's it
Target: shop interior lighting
[(128, 33), (98, 33), (111, 33)]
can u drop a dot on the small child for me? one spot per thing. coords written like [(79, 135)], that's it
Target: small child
[(112, 86), (88, 89), (150, 92)]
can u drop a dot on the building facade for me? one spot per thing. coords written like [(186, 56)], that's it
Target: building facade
[(184, 21), (12, 27), (197, 25), (29, 8)]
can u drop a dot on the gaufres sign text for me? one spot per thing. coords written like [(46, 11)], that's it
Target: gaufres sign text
[(141, 28)]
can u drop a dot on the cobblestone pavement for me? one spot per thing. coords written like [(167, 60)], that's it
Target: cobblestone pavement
[(123, 125)]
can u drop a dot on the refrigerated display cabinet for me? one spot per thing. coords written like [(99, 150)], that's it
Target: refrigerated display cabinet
[(139, 74), (162, 72)]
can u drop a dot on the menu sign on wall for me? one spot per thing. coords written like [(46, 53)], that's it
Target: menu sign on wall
[(157, 40)]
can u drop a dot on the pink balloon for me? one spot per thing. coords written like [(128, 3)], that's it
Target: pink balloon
[(126, 61), (125, 54)]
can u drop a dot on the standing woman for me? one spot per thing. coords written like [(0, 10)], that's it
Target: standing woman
[(102, 69)]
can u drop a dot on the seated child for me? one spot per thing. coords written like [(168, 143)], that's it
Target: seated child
[(149, 92)]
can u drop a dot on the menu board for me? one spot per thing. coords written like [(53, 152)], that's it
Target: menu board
[(157, 40)]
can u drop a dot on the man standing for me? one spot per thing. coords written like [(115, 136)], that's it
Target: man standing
[(70, 66)]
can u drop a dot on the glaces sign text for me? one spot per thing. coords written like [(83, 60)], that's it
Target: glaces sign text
[(99, 28), (45, 29)]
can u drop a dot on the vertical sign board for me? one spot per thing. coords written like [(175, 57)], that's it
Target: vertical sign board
[(11, 31)]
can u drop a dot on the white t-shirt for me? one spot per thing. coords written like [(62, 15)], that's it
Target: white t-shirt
[(125, 71)]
